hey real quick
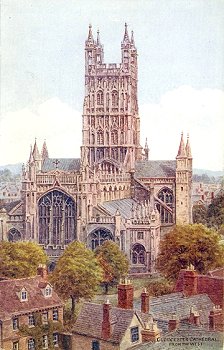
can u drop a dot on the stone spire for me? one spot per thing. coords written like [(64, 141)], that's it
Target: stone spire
[(188, 148), (98, 38), (146, 149), (126, 36), (90, 35), (181, 151), (44, 152), (132, 38), (36, 153), (31, 155)]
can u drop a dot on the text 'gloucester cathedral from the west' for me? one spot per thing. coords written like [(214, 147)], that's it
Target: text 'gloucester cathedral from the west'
[(113, 192)]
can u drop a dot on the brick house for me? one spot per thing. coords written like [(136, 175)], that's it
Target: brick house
[(21, 300)]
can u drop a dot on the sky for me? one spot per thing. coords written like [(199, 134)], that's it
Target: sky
[(180, 47)]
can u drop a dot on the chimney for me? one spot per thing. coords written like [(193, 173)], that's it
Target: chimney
[(125, 294), (151, 333), (190, 281), (42, 271), (173, 323), (194, 317), (145, 301), (106, 325), (215, 318)]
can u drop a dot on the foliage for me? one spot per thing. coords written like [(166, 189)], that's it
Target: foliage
[(213, 216), (77, 273), (20, 259), (40, 330), (189, 244), (113, 262), (7, 176), (160, 287)]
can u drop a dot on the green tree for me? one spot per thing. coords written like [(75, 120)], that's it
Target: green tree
[(199, 213), (215, 212), (77, 273), (20, 259), (189, 244), (113, 262), (160, 287)]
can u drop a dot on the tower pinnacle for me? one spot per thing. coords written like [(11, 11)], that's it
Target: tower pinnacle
[(90, 35), (126, 36), (188, 148), (181, 151)]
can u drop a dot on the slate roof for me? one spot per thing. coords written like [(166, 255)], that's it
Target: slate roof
[(155, 168), (186, 339), (66, 164), (10, 304), (10, 205), (123, 205), (89, 321), (165, 306)]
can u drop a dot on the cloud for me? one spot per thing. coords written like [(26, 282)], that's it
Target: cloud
[(199, 112), (53, 120)]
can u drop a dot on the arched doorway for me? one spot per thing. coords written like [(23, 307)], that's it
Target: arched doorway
[(138, 255), (98, 236), (14, 235), (57, 218)]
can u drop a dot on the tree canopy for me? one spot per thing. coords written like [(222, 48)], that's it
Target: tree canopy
[(113, 262), (77, 273), (189, 244), (20, 259)]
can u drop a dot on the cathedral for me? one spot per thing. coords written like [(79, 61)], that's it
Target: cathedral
[(113, 191)]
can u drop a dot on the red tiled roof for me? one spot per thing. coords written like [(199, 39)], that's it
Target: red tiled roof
[(89, 321), (10, 304)]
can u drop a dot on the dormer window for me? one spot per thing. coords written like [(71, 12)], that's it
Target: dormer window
[(23, 295), (48, 291)]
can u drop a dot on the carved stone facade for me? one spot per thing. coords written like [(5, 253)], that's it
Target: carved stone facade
[(113, 191)]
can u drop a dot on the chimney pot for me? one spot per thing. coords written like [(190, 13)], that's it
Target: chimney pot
[(106, 325), (125, 295), (145, 301), (42, 271), (173, 324)]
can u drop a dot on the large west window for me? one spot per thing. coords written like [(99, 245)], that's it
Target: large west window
[(57, 213)]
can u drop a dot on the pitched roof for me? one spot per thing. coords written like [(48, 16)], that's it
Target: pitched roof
[(165, 306), (66, 164), (10, 205), (10, 304), (89, 321), (123, 205), (155, 168)]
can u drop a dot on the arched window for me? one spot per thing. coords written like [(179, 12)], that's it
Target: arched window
[(98, 236), (114, 137), (138, 255), (100, 98), (14, 235), (114, 99), (100, 137), (166, 196), (57, 215), (107, 100), (122, 101)]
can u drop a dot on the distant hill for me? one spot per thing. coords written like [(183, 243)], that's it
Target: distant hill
[(208, 172), (16, 169)]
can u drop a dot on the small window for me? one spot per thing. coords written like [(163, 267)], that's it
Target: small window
[(55, 339), (140, 235), (45, 317), (55, 314), (31, 344), (15, 345), (134, 334), (31, 320), (95, 345), (15, 323), (45, 342), (48, 291), (24, 295), (182, 188)]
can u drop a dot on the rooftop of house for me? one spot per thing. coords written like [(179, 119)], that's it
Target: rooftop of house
[(11, 303), (65, 164), (89, 321), (155, 168), (8, 206), (177, 304)]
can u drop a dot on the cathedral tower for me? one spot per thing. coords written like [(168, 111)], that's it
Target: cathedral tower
[(111, 125), (183, 183)]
